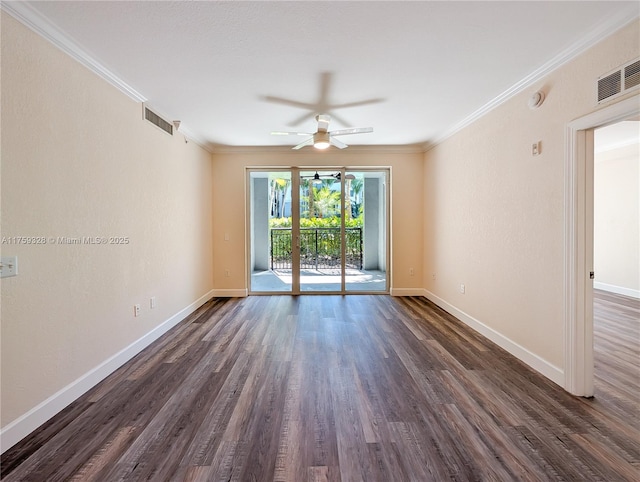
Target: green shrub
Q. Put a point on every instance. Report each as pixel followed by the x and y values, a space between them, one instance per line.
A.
pixel 332 222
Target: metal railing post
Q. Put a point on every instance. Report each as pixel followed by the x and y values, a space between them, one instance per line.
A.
pixel 271 235
pixel 360 249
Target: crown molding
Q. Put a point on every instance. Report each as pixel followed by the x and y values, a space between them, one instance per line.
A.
pixel 602 31
pixel 192 136
pixel 184 130
pixel 287 150
pixel 31 18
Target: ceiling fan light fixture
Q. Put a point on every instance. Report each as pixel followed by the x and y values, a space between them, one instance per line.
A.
pixel 321 140
pixel 324 138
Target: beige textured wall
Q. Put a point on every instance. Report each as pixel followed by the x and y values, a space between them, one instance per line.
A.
pixel 230 214
pixel 494 213
pixel 78 160
pixel 617 218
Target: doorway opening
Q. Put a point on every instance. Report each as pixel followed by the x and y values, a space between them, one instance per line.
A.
pixel 616 260
pixel 318 230
pixel 616 208
pixel 579 239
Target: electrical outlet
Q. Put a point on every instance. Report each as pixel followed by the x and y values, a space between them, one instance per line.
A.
pixel 433 276
pixel 152 302
pixel 462 288
pixel 411 272
pixel 136 310
pixel 227 273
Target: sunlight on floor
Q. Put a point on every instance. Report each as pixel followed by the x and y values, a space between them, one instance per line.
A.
pixel 318 280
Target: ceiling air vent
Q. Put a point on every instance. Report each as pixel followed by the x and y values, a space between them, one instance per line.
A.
pixel 158 121
pixel 619 82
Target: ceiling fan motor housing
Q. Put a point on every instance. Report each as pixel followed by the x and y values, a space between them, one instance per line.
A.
pixel 321 140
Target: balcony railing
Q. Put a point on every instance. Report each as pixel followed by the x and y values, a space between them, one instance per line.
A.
pixel 319 248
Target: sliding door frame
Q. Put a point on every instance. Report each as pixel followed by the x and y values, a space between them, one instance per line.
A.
pixel 295 225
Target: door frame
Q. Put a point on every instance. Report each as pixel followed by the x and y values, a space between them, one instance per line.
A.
pixel 295 201
pixel 295 229
pixel 578 243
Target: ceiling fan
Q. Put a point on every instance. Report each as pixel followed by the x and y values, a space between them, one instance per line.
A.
pixel 319 177
pixel 323 137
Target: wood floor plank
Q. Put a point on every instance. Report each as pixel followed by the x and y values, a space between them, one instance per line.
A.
pixel 470 413
pixel 335 388
pixel 355 463
pixel 604 457
pixel 417 454
pixel 105 456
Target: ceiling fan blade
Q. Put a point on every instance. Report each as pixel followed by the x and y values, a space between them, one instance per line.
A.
pixel 338 176
pixel 278 133
pixel 302 118
pixel 307 142
pixel 293 103
pixel 353 130
pixel 337 143
pixel 339 119
pixel 325 84
pixel 357 104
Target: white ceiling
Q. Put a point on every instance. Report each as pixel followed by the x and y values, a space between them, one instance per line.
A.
pixel 617 136
pixel 428 65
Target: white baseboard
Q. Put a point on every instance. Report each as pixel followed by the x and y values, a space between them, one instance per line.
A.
pixel 620 290
pixel 27 423
pixel 542 366
pixel 407 292
pixel 241 293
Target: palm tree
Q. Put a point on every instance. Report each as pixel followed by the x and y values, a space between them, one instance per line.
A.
pixel 347 201
pixel 357 187
pixel 278 195
pixel 326 202
pixel 308 185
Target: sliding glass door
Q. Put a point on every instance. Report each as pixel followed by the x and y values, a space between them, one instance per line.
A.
pixel 366 219
pixel 318 230
pixel 270 239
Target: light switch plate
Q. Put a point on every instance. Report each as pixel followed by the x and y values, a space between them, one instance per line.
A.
pixel 536 148
pixel 8 266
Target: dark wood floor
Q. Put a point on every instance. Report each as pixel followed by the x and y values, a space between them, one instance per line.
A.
pixel 316 388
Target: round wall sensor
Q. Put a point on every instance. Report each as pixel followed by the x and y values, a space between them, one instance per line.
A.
pixel 536 100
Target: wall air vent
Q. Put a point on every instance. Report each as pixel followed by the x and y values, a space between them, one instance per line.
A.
pixel 158 121
pixel 619 82
pixel 632 75
pixel 609 86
